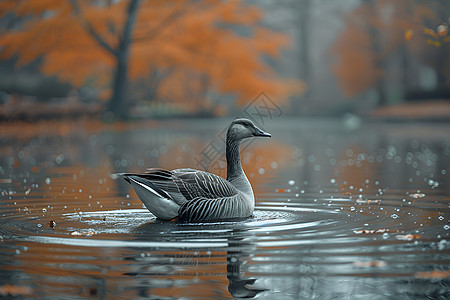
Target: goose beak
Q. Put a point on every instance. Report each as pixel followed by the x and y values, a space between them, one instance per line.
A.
pixel 259 132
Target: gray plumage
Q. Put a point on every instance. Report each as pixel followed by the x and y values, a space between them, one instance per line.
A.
pixel 194 195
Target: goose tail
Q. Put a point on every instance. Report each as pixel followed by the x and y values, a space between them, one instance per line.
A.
pixel 157 201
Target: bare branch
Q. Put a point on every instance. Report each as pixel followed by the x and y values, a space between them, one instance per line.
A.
pixel 152 33
pixel 125 39
pixel 90 29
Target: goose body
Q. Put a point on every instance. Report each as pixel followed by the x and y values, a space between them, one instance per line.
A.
pixel 194 195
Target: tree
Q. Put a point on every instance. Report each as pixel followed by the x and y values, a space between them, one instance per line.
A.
pixel 108 41
pixel 379 30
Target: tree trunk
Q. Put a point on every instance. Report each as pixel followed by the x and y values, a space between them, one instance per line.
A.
pixel 305 29
pixel 117 104
pixel 379 60
pixel 405 69
pixel 304 10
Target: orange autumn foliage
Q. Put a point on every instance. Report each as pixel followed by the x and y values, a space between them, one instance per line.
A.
pixel 183 40
pixel 374 31
pixel 356 69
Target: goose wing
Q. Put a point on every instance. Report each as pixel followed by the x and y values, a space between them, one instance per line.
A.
pixel 210 197
pixel 194 184
pixel 160 180
pixel 202 196
pixel 187 184
pixel 204 209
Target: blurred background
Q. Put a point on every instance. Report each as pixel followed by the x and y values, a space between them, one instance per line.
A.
pixel 351 191
pixel 136 59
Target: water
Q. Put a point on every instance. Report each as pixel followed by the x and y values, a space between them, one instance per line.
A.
pixel 342 212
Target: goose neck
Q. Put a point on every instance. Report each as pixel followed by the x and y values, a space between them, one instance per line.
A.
pixel 234 167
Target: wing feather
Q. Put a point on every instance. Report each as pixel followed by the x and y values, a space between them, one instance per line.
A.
pixel 163 180
pixel 193 184
pixel 202 196
pixel 203 209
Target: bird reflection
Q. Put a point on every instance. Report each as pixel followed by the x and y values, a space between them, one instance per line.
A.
pixel 237 286
pixel 238 248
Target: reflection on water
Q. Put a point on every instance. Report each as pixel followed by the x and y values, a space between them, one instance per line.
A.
pixel 340 214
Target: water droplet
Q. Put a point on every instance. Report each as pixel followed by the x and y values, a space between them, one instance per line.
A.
pixel 349 152
pixel 47 180
pixel 52 224
pixel 352 208
pixel 332 180
pixel 441 244
pixel 44 210
pixel 39 225
pixel 394 216
pixel 261 171
pixel 291 182
pixel 59 159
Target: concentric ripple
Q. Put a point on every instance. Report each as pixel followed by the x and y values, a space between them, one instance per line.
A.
pixel 348 218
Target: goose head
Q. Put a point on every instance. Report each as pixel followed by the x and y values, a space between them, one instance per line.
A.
pixel 244 128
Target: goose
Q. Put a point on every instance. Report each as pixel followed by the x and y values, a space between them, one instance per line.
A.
pixel 195 196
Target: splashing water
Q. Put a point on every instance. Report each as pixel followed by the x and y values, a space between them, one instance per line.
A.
pixel 371 222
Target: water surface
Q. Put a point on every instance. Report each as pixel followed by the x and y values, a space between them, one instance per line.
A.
pixel 342 212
